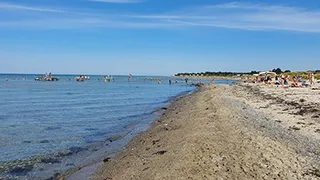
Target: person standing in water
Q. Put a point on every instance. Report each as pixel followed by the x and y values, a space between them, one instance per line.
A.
pixel 129 77
pixel 7 79
pixel 170 82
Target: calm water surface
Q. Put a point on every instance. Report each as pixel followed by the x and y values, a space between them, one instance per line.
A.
pixel 49 127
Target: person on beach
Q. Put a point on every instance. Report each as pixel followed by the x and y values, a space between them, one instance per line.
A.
pixel 212 81
pixel 170 82
pixel 299 79
pixel 294 82
pixel 284 81
pixel 310 75
pixel 186 79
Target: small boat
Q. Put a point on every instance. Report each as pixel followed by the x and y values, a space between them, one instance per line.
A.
pixel 82 78
pixel 43 78
pixel 47 77
pixel 107 78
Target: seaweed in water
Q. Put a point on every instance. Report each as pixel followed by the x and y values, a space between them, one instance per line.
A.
pixel 50 160
pixel 52 128
pixel 44 141
pixel 21 171
pixel 77 149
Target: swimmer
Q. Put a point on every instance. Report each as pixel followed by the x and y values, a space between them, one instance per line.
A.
pixel 129 77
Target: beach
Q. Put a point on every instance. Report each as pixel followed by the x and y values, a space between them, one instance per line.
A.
pixel 243 131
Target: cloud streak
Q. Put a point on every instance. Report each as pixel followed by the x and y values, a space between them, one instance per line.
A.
pixel 8 6
pixel 118 1
pixel 234 15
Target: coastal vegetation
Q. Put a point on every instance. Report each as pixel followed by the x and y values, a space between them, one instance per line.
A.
pixel 278 71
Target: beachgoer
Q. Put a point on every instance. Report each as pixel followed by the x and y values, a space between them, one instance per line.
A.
pixel 295 83
pixel 170 82
pixel 186 79
pixel 129 77
pixel 159 81
pixel 50 76
pixel 284 80
pixel 310 78
pixel 7 79
pixel 212 81
pixel 299 79
pixel 176 82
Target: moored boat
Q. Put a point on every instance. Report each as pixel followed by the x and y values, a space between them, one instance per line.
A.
pixel 82 78
pixel 47 77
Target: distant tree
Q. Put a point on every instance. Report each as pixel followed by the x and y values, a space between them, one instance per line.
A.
pixel 254 72
pixel 287 71
pixel 278 71
pixel 317 71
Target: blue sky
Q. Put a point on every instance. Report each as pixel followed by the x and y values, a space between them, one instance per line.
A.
pixel 158 37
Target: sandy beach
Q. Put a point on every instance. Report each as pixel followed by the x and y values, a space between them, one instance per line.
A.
pixel 239 131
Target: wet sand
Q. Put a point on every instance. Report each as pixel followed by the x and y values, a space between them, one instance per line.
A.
pixel 225 132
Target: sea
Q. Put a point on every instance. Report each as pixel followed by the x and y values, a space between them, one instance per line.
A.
pixel 48 128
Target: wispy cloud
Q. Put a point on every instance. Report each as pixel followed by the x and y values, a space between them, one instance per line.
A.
pixel 246 16
pixel 234 15
pixel 8 6
pixel 118 1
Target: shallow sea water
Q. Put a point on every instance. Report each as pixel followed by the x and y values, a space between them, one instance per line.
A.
pixel 50 127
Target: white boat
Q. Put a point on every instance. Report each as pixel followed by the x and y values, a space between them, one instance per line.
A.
pixel 82 78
